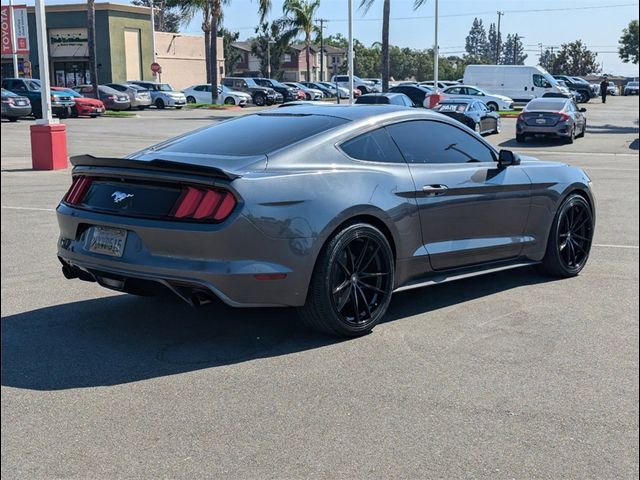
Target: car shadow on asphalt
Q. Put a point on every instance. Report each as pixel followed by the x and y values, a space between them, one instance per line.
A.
pixel 122 338
pixel 533 142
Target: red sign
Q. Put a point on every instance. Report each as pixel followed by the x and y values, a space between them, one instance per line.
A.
pixel 156 68
pixel 22 30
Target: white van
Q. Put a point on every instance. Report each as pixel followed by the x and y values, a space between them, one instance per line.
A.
pixel 520 82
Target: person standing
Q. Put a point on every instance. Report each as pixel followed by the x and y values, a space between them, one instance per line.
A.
pixel 604 85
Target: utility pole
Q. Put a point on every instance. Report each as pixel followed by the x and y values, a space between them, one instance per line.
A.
pixel 269 43
pixel 321 21
pixel 498 39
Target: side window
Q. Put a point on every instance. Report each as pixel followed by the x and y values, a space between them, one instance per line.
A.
pixel 375 146
pixel 422 141
pixel 540 81
pixel 199 88
pixel 454 91
pixel 18 86
pixel 482 107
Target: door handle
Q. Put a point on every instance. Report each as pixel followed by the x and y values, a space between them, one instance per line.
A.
pixel 432 190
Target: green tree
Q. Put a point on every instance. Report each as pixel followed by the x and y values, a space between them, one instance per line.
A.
pixel 548 60
pixel 513 50
pixel 575 59
pixel 270 52
pixel 476 44
pixel 628 49
pixel 166 14
pixel 299 20
pixel 231 55
pixel 493 46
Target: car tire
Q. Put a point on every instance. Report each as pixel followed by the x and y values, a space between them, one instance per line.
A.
pixel 159 103
pixel 572 135
pixel 74 112
pixel 13 119
pixel 498 127
pixel 259 99
pixel 363 90
pixel 493 106
pixel 340 301
pixel 570 238
pixel 583 131
pixel 521 138
pixel 191 99
pixel 584 96
pixel 229 101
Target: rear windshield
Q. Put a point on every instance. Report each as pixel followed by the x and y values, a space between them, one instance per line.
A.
pixel 373 99
pixel 545 105
pixel 632 84
pixel 253 134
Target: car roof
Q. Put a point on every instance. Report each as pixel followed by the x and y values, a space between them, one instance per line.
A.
pixel 459 100
pixel 354 112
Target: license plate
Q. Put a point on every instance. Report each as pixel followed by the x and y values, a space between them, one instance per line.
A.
pixel 108 241
pixel 21 102
pixel 98 110
pixel 540 121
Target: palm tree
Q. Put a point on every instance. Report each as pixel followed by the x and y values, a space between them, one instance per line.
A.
pixel 365 5
pixel 299 20
pixel 91 44
pixel 211 17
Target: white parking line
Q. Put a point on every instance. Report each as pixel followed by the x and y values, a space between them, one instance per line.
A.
pixel 30 208
pixel 604 245
pixel 569 153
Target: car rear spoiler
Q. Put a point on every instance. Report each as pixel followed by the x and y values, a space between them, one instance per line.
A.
pixel 157 165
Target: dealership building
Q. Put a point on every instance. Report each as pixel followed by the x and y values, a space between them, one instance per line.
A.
pixel 124 47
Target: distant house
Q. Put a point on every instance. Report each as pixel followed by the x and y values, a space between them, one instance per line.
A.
pixel 293 63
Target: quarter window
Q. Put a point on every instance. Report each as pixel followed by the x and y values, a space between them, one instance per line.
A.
pixel 375 146
pixel 422 141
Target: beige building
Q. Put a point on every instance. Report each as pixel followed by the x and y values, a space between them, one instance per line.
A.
pixel 182 59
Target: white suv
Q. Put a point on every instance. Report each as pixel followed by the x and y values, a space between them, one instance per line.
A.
pixel 362 85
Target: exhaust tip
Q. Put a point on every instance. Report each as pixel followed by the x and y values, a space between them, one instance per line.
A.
pixel 200 298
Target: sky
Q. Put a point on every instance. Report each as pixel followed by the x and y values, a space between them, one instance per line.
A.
pixel 598 23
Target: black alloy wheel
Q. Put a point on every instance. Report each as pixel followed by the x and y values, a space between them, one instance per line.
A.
pixel 352 284
pixel 191 99
pixel 259 99
pixel 229 101
pixel 570 239
pixel 492 106
pixel 159 104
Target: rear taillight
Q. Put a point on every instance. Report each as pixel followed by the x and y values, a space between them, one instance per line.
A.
pixel 520 117
pixel 564 117
pixel 203 204
pixel 78 189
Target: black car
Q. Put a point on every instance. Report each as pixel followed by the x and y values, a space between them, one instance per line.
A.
pixel 289 94
pixel 399 99
pixel 326 92
pixel 582 88
pixel 14 106
pixel 260 95
pixel 472 113
pixel 417 93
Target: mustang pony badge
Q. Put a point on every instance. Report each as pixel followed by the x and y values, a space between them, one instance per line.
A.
pixel 120 196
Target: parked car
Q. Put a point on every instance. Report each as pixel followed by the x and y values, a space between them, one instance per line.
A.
pixel 162 94
pixel 399 99
pixel 492 101
pixel 112 99
pixel 260 95
pixel 377 82
pixel 61 103
pixel 343 92
pixel 327 92
pixel 417 93
pixel 14 106
pixel 202 94
pixel 330 209
pixel 573 94
pixel 441 84
pixel 520 82
pixel 309 93
pixel 289 93
pixel 557 117
pixel 85 106
pixel 631 88
pixel 358 83
pixel 139 97
pixel 472 113
pixel 582 87
pixel 612 89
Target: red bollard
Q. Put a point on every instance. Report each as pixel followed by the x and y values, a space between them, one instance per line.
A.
pixel 49 147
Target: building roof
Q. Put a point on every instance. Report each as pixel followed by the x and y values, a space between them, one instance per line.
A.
pixel 243 45
pixel 331 50
pixel 82 7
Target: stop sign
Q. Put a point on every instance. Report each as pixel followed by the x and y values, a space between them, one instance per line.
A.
pixel 155 67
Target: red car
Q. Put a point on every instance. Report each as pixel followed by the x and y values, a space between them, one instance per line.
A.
pixel 85 106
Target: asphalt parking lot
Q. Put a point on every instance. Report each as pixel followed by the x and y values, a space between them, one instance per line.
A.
pixel 507 376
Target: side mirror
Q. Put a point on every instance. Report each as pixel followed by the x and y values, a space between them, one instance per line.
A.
pixel 507 158
pixel 582 110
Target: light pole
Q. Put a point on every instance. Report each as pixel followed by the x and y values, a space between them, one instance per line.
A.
pixel 498 39
pixel 321 21
pixel 269 42
pixel 351 52
pixel 14 46
pixel 436 53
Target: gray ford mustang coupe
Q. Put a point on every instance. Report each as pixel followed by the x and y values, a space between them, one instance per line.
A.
pixel 327 208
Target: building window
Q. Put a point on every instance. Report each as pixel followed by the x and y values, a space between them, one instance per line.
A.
pixel 286 58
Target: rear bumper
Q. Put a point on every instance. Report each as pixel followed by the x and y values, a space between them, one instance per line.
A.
pixel 560 130
pixel 12 111
pixel 222 260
